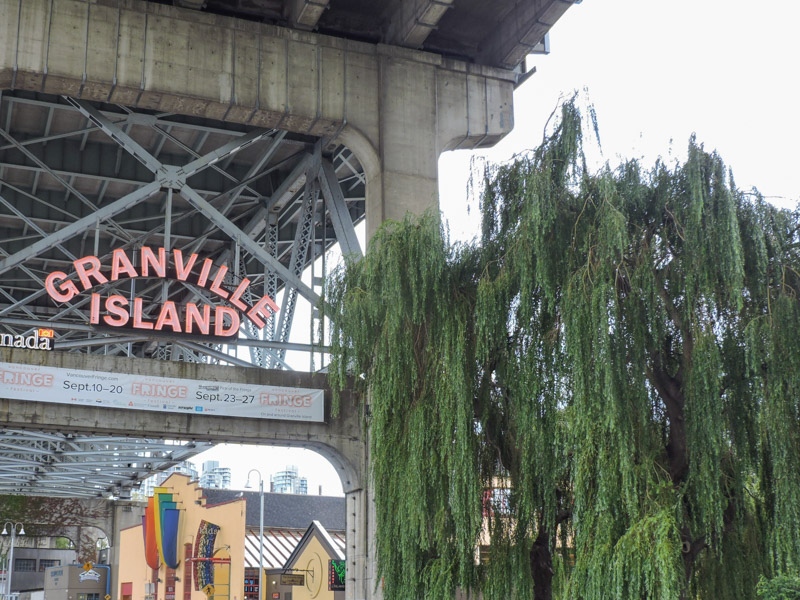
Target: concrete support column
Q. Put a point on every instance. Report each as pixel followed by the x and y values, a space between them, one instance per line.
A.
pixel 359 562
pixel 361 551
pixel 428 105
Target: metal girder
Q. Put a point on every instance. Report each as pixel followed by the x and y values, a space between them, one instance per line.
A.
pixel 250 245
pixel 168 174
pixel 302 241
pixel 65 233
pixel 243 208
pixel 98 341
pixel 116 134
pixel 78 466
pixel 270 279
pixel 223 152
pixel 215 353
pixel 291 185
pixel 255 221
pixel 340 216
pixel 67 185
pixel 30 223
pixel 175 177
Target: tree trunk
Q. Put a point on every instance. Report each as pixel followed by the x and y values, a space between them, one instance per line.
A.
pixel 542 568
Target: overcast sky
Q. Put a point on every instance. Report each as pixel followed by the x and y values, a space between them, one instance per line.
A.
pixel 659 71
pixel 656 72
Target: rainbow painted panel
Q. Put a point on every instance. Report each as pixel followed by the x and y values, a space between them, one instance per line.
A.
pixel 149 532
pixel 161 526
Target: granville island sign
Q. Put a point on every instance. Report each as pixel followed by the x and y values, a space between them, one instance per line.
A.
pixel 116 310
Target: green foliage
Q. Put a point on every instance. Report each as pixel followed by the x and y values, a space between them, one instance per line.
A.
pixel 620 350
pixel 780 588
pixel 63 543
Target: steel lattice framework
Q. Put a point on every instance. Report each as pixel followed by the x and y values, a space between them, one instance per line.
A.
pixel 80 179
pixel 79 466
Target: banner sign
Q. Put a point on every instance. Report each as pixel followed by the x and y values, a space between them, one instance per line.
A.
pixel 293 579
pixel 337 575
pixel 142 392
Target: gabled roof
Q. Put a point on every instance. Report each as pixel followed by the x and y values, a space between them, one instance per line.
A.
pixel 328 542
pixel 280 545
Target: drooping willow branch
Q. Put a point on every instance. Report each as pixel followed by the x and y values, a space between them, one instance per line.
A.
pixel 600 399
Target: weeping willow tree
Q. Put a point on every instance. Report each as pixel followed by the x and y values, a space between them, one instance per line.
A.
pixel 599 399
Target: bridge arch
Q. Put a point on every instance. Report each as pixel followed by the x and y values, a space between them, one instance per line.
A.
pixel 341 439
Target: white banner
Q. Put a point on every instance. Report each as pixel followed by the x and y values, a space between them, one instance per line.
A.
pixel 165 394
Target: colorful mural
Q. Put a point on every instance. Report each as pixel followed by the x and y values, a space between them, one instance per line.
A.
pixel 161 527
pixel 203 553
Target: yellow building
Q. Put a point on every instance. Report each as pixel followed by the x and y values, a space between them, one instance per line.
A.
pixel 314 571
pixel 203 544
pixel 208 547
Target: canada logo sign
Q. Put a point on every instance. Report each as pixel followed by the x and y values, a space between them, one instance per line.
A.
pixel 40 339
pixel 115 310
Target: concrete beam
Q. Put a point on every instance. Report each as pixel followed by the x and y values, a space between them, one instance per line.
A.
pixel 396 109
pixel 338 439
pixel 522 31
pixel 305 14
pixel 414 20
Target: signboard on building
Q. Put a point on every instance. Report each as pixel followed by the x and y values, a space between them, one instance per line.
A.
pixel 39 383
pixel 39 339
pixel 293 579
pixel 90 575
pixel 337 571
pixel 221 319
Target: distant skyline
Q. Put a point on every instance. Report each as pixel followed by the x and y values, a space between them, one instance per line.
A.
pixel 268 460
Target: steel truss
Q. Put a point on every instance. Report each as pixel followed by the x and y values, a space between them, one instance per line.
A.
pixel 80 179
pixel 79 466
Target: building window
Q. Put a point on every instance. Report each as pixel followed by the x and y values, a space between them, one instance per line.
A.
pixel 46 563
pixel 25 565
pixel 89 596
pixel 497 501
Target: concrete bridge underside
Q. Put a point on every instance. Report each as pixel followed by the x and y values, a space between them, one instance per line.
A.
pixel 365 95
pixel 396 108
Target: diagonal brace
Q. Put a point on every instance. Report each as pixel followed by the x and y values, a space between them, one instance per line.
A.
pixel 79 226
pixel 249 244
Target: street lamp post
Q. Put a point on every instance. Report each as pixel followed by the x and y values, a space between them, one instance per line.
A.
pixel 14 534
pixel 260 530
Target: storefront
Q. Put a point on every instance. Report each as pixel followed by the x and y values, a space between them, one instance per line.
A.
pixel 77 582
